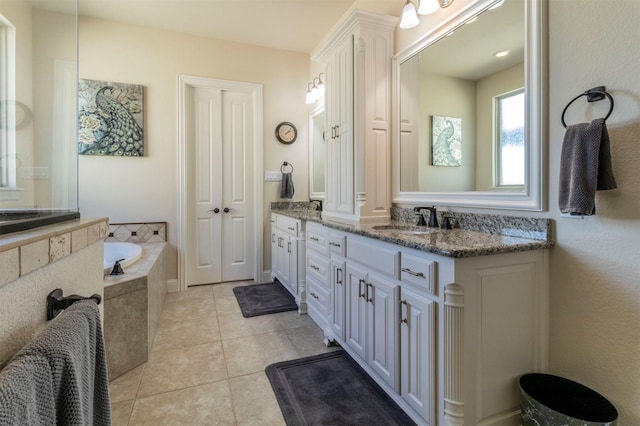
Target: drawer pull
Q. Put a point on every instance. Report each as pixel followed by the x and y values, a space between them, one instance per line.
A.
pixel 334 244
pixel 314 267
pixel 415 274
pixel 314 239
pixel 315 296
pixel 290 228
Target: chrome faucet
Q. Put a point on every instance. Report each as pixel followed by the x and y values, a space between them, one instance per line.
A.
pixel 433 217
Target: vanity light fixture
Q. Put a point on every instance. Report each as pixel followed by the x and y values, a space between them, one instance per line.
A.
pixel 315 90
pixel 410 14
pixel 309 99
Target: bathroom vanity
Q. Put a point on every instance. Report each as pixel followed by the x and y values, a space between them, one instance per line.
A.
pixel 445 321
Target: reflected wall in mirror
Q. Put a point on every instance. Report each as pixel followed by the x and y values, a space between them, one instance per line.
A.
pixel 317 153
pixel 455 72
pixel 38 98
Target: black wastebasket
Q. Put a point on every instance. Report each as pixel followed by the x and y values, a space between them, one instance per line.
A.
pixel 548 400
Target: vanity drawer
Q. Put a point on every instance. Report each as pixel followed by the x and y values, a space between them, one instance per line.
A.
pixel 419 271
pixel 382 259
pixel 317 238
pixel 289 225
pixel 318 267
pixel 337 243
pixel 318 298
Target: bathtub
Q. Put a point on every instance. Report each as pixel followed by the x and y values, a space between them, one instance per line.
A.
pixel 116 251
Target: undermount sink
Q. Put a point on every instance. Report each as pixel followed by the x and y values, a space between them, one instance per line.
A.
pixel 405 229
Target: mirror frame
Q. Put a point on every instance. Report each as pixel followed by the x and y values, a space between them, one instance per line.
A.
pixel 317 195
pixel 533 198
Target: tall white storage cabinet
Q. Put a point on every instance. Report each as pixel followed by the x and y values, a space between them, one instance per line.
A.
pixel 357 58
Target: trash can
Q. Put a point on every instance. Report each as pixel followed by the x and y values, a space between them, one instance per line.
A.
pixel 548 400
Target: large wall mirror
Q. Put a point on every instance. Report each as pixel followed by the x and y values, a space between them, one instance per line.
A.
pixel 317 154
pixel 469 110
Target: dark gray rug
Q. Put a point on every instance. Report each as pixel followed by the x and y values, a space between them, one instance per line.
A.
pixel 331 389
pixel 262 299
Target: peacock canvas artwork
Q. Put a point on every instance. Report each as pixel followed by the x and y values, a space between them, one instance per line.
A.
pixel 446 141
pixel 110 119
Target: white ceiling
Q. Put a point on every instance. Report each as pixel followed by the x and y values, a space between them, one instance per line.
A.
pixel 297 25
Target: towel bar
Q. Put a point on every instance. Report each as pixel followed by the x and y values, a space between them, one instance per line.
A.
pixel 285 164
pixel 593 95
pixel 57 303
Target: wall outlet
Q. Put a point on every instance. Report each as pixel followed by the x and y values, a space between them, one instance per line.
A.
pixel 271 176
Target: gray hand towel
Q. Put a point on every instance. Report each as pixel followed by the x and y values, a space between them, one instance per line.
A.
pixel 286 186
pixel 585 166
pixel 69 355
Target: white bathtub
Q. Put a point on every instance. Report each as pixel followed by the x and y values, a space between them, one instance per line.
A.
pixel 115 251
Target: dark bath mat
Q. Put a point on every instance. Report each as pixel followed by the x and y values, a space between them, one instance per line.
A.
pixel 262 299
pixel 331 389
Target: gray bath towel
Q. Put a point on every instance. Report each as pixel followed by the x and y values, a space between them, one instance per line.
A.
pixel 585 166
pixel 65 366
pixel 286 187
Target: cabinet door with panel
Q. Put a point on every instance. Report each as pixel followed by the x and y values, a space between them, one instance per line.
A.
pixel 417 354
pixel 338 297
pixel 356 310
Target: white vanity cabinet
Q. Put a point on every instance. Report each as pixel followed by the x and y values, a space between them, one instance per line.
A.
pixel 287 256
pixel 447 338
pixel 317 274
pixel 357 58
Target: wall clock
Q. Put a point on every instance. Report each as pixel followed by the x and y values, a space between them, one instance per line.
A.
pixel 286 132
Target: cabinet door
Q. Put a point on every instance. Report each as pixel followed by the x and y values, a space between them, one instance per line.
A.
pixel 382 320
pixel 417 343
pixel 356 312
pixel 338 308
pixel 291 261
pixel 344 130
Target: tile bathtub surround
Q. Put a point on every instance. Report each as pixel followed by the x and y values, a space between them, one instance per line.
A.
pixel 513 226
pixel 154 232
pixel 207 362
pixel 24 252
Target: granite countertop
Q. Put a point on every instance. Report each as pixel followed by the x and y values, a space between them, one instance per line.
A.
pixel 457 243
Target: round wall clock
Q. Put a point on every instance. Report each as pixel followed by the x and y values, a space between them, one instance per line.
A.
pixel 286 132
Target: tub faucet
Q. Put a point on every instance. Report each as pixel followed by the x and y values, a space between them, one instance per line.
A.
pixel 117 269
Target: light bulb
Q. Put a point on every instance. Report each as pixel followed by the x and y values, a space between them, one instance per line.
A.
pixel 409 16
pixel 428 6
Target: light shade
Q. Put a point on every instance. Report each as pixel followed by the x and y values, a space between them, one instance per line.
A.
pixel 309 98
pixel 409 16
pixel 428 6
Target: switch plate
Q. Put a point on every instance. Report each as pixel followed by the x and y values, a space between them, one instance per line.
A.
pixel 271 176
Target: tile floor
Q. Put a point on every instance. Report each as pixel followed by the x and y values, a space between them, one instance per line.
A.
pixel 207 363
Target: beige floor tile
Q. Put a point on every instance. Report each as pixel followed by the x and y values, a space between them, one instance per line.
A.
pixel 308 341
pixel 197 292
pixel 251 354
pixel 126 386
pixel 292 319
pixel 226 289
pixel 188 309
pixel 208 404
pixel 254 402
pixel 234 325
pixel 120 413
pixel 184 333
pixel 227 304
pixel 182 368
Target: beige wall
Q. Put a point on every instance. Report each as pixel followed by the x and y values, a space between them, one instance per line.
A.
pixel 145 189
pixel 594 268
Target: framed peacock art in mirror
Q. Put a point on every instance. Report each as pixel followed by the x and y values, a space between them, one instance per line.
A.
pixel 110 120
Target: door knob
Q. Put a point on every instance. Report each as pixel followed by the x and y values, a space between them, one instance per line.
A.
pixel 227 210
pixel 216 210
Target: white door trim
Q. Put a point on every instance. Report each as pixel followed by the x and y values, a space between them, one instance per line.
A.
pixel 255 90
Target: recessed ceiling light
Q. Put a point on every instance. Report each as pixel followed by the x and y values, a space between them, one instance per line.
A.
pixel 502 53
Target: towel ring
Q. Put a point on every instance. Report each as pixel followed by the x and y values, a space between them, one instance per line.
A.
pixel 595 94
pixel 285 164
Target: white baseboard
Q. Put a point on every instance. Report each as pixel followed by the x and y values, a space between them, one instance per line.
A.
pixel 173 286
